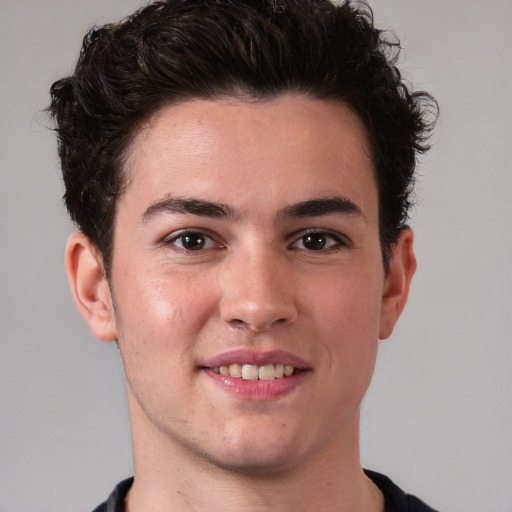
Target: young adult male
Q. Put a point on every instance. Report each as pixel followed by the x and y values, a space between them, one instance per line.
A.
pixel 240 175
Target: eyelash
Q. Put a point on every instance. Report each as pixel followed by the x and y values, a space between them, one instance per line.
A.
pixel 333 241
pixel 208 240
pixel 336 240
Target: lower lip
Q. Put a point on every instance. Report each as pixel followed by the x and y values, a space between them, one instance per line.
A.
pixel 257 389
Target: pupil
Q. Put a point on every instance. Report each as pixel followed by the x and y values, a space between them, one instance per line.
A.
pixel 193 241
pixel 314 242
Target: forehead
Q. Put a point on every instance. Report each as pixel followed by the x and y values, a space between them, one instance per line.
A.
pixel 279 148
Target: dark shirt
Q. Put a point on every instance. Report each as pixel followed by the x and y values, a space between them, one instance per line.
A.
pixel 395 499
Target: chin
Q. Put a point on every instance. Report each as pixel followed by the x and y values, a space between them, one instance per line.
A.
pixel 267 454
pixel 256 464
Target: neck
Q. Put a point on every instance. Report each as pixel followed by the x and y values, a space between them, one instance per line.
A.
pixel 171 477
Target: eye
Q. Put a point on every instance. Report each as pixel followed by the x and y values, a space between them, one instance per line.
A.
pixel 192 241
pixel 318 241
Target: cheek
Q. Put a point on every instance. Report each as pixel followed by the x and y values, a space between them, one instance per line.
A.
pixel 160 317
pixel 349 306
pixel 348 323
pixel 158 323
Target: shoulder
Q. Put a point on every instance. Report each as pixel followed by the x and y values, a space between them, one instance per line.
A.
pixel 115 502
pixel 395 499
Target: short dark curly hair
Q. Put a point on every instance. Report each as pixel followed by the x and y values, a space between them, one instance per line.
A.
pixel 174 50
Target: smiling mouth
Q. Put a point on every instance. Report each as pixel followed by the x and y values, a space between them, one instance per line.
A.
pixel 255 372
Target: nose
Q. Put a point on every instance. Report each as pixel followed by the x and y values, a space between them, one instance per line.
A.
pixel 258 291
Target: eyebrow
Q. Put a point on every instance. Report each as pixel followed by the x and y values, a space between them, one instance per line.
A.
pixel 188 206
pixel 321 206
pixel 192 206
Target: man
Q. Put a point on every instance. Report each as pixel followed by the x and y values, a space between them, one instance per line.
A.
pixel 240 175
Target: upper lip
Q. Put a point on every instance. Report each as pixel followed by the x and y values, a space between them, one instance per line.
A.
pixel 255 357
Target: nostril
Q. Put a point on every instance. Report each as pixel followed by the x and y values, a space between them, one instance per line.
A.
pixel 235 322
pixel 256 326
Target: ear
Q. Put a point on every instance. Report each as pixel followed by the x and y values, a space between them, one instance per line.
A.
pixel 398 280
pixel 89 286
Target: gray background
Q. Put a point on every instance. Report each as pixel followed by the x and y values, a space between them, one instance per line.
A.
pixel 438 417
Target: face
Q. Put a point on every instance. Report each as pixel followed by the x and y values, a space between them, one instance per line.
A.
pixel 247 243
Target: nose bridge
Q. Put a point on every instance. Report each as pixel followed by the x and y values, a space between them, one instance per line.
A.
pixel 257 289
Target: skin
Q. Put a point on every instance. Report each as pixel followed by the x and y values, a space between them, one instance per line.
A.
pixel 253 278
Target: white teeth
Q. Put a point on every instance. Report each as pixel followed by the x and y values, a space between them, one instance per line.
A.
pixel 235 370
pixel 279 370
pixel 255 372
pixel 249 372
pixel 266 372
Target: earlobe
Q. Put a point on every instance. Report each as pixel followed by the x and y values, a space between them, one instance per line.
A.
pixel 89 287
pixel 396 288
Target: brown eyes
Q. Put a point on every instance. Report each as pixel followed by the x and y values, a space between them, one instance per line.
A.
pixel 312 241
pixel 193 241
pixel 316 241
pixel 319 241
